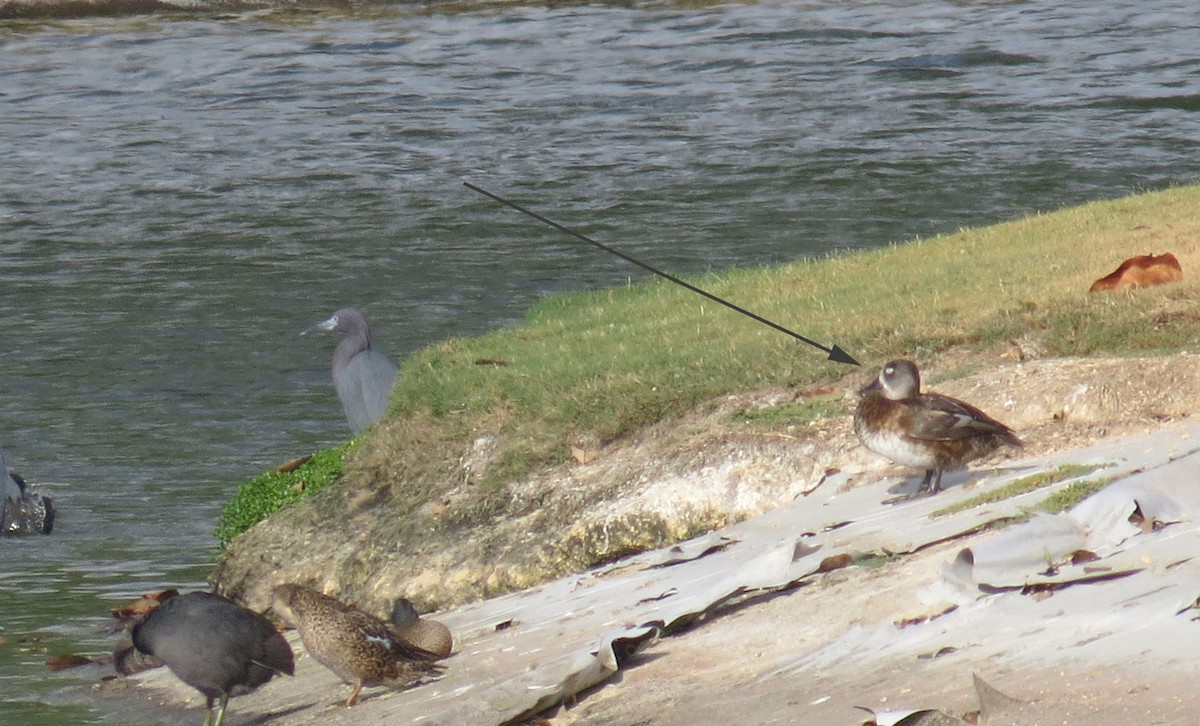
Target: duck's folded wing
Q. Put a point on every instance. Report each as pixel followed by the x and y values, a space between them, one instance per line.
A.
pixel 941 418
pixel 377 631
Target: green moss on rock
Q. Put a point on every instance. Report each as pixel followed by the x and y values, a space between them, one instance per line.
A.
pixel 267 493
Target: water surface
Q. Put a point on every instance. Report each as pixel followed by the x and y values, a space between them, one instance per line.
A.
pixel 180 196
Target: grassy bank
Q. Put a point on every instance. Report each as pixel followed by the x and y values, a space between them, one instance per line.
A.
pixel 592 368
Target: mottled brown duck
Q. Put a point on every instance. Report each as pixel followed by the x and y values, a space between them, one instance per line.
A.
pixel 426 634
pixel 358 647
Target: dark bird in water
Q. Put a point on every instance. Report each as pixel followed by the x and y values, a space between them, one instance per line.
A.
pixel 214 645
pixel 362 375
pixel 426 634
pixel 358 647
pixel 21 510
pixel 924 430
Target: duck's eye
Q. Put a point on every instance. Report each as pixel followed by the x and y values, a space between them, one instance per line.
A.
pixel 889 370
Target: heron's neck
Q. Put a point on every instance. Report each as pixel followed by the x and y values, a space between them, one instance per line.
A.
pixel 348 347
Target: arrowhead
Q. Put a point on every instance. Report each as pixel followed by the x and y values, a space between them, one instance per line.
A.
pixel 840 356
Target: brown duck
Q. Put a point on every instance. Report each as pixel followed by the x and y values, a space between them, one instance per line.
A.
pixel 358 647
pixel 924 430
pixel 424 633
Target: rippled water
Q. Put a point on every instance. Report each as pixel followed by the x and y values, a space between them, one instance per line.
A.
pixel 179 197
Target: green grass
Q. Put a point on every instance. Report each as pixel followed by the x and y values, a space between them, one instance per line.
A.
pixel 1021 486
pixel 1058 502
pixel 1070 495
pixel 267 493
pixel 790 414
pixel 873 560
pixel 603 365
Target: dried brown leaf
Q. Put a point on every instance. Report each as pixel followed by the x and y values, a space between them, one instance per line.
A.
pixel 144 604
pixel 1078 557
pixel 292 465
pixel 835 562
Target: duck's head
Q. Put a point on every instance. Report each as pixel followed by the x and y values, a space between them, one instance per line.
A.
pixel 898 380
pixel 282 599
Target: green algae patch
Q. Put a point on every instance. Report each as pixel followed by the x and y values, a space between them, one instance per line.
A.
pixel 267 493
pixel 1071 494
pixel 873 560
pixel 1021 486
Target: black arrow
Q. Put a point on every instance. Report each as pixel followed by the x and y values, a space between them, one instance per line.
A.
pixel 835 353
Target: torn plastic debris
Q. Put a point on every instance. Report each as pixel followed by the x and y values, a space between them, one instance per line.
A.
pixel 1108 516
pixel 922 717
pixel 1012 558
pixel 692 549
pixel 995 708
pixel 584 670
pixel 770 570
pixel 1042 552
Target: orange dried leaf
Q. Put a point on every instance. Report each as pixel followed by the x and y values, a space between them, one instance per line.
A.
pixel 1078 557
pixel 144 604
pixel 1141 271
pixel 835 562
